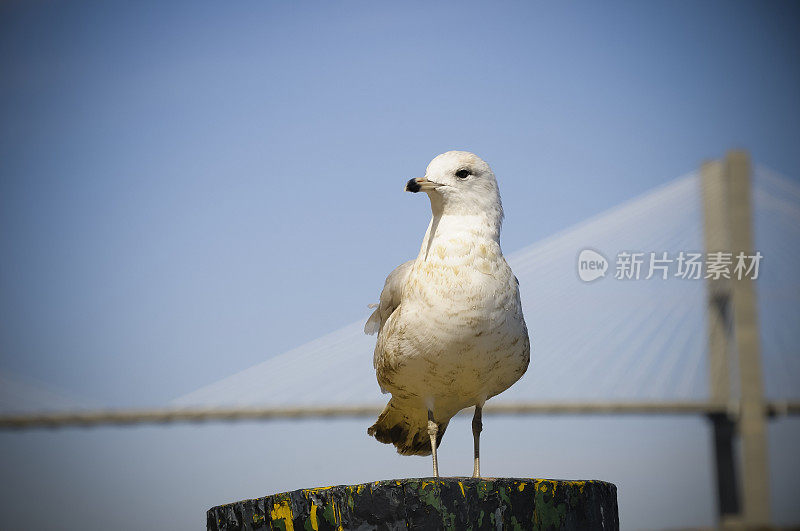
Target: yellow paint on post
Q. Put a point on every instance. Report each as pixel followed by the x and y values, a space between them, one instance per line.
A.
pixel 337 516
pixel 579 484
pixel 283 511
pixel 313 517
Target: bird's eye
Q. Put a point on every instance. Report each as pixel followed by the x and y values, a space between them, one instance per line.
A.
pixel 462 174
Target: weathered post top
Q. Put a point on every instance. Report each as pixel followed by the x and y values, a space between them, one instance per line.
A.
pixel 428 503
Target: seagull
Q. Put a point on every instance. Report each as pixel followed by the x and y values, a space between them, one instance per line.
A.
pixel 450 328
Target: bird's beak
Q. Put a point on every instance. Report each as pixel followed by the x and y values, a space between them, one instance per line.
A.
pixel 421 184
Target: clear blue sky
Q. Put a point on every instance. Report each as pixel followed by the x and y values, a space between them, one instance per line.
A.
pixel 188 188
pixel 173 175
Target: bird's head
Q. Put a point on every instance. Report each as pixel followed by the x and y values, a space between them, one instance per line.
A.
pixel 460 183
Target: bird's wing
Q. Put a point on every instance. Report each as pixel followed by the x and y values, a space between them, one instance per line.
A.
pixel 390 298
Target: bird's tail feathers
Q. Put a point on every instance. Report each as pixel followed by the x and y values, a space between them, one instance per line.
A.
pixel 406 428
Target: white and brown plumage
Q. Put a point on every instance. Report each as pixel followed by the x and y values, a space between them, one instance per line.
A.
pixel 450 328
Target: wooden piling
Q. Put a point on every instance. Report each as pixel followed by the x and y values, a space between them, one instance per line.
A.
pixel 428 503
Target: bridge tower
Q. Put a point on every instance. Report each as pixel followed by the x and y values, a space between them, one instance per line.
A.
pixel 733 346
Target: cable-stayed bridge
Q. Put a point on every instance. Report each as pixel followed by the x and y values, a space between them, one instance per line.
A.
pixel 611 339
pixel 612 345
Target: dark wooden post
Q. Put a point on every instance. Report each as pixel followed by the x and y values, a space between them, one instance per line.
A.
pixel 444 503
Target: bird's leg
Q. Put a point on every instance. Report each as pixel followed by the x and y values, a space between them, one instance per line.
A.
pixel 433 430
pixel 477 426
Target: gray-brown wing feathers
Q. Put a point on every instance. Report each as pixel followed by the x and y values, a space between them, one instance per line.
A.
pixel 390 298
pixel 400 423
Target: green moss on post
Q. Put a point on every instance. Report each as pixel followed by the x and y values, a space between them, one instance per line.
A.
pixel 445 503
